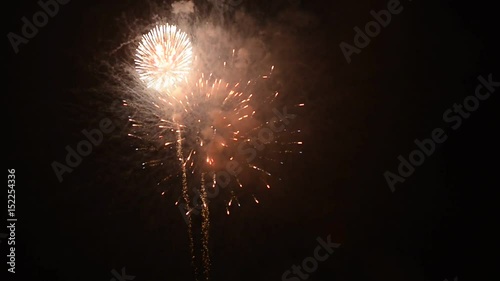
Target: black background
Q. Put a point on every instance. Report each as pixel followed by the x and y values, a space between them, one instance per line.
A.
pixel 359 117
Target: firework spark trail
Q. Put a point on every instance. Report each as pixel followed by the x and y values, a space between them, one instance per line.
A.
pixel 205 228
pixel 185 195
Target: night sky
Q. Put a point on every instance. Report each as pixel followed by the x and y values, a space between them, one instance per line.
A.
pixel 359 117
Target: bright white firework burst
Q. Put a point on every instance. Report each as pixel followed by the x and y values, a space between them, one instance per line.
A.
pixel 164 57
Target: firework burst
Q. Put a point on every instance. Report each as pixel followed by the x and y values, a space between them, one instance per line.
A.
pixel 164 57
pixel 220 132
pixel 213 135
